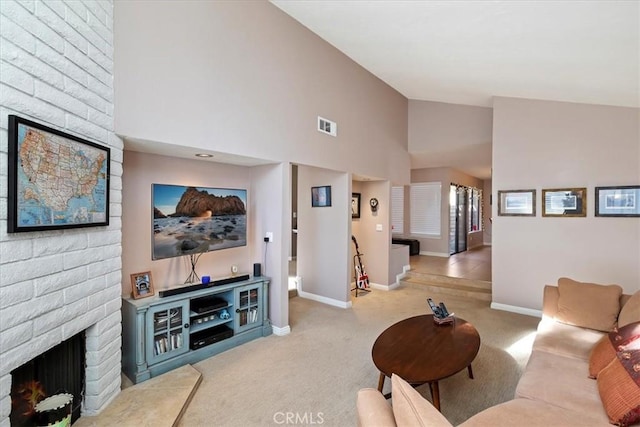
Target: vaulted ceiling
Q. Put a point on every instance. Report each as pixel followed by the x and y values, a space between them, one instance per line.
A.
pixel 466 52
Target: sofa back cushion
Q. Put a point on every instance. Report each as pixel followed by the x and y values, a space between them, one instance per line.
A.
pixel 588 305
pixel 630 312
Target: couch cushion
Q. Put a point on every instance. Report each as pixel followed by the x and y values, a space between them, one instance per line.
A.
pixel 373 409
pixel 619 388
pixel 605 350
pixel 630 312
pixel 531 413
pixel 588 305
pixel 561 381
pixel 566 340
pixel 411 409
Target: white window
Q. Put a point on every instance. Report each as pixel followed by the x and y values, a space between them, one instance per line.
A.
pixel 426 200
pixel 397 210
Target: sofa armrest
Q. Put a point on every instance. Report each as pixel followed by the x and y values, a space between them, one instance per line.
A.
pixel 373 410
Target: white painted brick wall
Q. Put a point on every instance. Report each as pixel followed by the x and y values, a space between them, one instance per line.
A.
pixel 56 67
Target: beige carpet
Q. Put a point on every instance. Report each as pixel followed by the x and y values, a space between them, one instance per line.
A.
pixel 311 376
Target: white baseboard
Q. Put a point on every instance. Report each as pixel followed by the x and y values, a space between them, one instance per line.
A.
pixel 378 286
pixel 516 309
pixel 486 243
pixel 440 254
pixel 399 277
pixel 393 286
pixel 281 331
pixel 324 300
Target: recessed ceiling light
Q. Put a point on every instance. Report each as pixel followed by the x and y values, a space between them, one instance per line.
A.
pixel 204 155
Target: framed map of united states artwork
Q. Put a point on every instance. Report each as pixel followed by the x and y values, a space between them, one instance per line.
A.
pixel 56 180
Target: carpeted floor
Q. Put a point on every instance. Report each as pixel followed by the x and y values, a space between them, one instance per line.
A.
pixel 312 375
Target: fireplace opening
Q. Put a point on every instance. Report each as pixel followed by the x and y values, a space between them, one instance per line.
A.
pixel 59 370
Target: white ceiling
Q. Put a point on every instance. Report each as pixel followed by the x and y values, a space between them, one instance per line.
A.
pixel 466 52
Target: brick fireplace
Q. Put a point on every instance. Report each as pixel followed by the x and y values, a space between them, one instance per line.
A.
pixel 57 69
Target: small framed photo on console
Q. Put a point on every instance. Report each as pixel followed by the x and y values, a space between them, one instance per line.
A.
pixel 141 285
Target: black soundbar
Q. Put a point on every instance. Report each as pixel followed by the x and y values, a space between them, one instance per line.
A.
pixel 191 288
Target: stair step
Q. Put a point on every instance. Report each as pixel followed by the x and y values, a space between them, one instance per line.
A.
pixel 447 280
pixel 477 289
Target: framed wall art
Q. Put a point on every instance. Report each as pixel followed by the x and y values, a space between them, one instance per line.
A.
pixel 142 285
pixel 56 180
pixel 321 196
pixel 564 202
pixel 517 202
pixel 618 201
pixel 355 205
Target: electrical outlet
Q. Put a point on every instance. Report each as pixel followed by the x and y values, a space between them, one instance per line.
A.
pixel 269 235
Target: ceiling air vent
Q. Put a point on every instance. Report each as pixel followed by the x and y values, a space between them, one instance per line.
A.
pixel 327 126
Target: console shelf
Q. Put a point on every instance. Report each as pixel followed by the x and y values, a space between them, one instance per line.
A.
pixel 162 333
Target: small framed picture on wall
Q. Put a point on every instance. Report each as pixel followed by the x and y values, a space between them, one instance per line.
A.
pixel 517 202
pixel 355 205
pixel 564 202
pixel 618 201
pixel 321 196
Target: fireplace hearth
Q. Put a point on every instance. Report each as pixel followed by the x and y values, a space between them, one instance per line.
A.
pixel 59 370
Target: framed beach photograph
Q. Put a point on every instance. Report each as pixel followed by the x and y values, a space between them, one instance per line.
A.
pixel 141 285
pixel 355 205
pixel 564 202
pixel 618 201
pixel 56 180
pixel 321 196
pixel 517 203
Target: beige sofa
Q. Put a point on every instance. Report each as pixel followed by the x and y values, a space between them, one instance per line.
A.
pixel 555 388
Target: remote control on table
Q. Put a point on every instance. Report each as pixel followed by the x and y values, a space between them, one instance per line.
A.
pixel 435 309
pixel 443 310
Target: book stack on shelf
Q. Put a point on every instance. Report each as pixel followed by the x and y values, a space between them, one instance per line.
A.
pixel 163 344
pixel 250 316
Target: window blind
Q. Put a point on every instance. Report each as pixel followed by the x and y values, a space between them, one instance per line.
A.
pixel 426 199
pixel 397 210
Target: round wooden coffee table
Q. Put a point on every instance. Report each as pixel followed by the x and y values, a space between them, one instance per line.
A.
pixel 419 351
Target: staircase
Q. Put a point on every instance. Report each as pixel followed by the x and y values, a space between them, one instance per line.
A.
pixel 477 289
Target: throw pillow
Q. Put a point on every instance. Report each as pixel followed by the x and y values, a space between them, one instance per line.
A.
pixel 605 350
pixel 588 305
pixel 619 388
pixel 411 409
pixel 630 312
